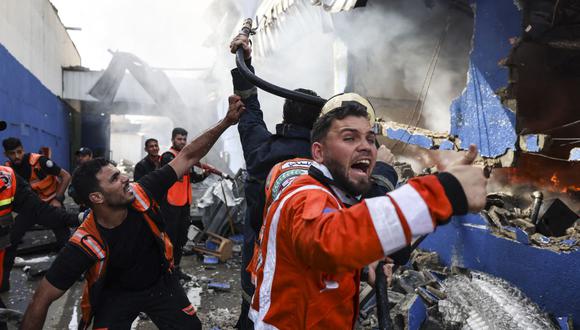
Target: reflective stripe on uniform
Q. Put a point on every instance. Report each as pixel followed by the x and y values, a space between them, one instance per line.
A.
pixel 6 201
pixel 270 260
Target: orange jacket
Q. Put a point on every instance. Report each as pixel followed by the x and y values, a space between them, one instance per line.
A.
pixel 7 193
pixel 7 189
pixel 312 248
pixel 180 193
pixel 44 186
pixel 88 238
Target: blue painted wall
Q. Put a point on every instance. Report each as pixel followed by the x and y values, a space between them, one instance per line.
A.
pixel 549 278
pixel 478 116
pixel 32 112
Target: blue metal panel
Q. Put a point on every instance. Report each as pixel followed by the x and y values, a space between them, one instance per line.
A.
pixel 32 112
pixel 575 154
pixel 477 116
pixel 405 136
pixel 532 143
pixel 549 278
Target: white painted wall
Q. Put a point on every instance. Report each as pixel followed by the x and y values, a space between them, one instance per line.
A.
pixel 33 33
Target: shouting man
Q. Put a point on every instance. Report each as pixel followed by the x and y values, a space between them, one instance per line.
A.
pixel 123 247
pixel 313 245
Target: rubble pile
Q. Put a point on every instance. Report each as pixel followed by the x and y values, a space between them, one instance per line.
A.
pixel 426 295
pixel 221 206
pixel 550 224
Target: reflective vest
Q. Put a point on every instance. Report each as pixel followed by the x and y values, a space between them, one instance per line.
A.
pixel 88 238
pixel 7 193
pixel 44 185
pixel 180 193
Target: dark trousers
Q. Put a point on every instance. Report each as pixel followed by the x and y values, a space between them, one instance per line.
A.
pixel 166 303
pixel 244 323
pixel 21 225
pixel 177 220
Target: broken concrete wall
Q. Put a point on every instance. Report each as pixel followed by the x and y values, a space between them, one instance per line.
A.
pixel 478 115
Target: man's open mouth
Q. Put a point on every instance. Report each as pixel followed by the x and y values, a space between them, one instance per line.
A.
pixel 361 165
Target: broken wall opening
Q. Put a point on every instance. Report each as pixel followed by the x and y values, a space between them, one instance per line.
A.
pixel 410 58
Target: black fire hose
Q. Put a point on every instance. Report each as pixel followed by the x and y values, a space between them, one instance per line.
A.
pixel 268 87
pixel 271 88
pixel 381 292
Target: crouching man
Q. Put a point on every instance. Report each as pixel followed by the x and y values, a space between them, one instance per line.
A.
pixel 123 247
pixel 318 234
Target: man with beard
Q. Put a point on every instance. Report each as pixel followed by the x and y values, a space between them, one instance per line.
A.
pixel 176 206
pixel 313 244
pixel 151 162
pixel 123 248
pixel 264 149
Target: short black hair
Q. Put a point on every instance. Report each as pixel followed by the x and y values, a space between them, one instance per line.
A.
pixel 84 180
pixel 322 125
pixel 150 140
pixel 178 131
pixel 11 143
pixel 299 113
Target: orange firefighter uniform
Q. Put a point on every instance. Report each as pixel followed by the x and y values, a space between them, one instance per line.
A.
pixel 180 193
pixel 88 238
pixel 44 185
pixel 312 248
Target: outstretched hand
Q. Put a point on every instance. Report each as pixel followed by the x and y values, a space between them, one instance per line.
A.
pixel 242 40
pixel 235 110
pixel 471 179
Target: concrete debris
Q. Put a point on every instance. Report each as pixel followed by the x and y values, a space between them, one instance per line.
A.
pixel 11 317
pixel 222 207
pixel 455 298
pixel 21 262
pixel 554 226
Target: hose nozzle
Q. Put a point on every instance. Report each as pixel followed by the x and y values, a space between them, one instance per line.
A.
pixel 247 27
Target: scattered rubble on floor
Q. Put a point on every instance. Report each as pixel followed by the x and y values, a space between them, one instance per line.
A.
pixel 547 223
pixel 427 295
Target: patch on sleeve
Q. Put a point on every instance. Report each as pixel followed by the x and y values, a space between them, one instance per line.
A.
pixel 49 163
pixel 6 179
pixel 316 204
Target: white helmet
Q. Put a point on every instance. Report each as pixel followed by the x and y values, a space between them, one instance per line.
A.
pixel 340 100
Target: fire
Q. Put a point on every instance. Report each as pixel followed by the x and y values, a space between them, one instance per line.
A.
pixel 555 181
pixel 556 185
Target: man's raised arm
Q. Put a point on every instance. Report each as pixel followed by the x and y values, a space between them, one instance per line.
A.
pixel 192 153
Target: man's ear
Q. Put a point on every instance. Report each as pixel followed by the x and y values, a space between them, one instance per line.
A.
pixel 317 152
pixel 96 197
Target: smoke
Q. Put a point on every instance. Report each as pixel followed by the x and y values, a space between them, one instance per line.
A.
pixel 390 48
pixel 247 7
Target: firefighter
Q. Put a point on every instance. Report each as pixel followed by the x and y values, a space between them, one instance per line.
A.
pixel 49 181
pixel 176 205
pixel 151 162
pixel 16 195
pixel 123 248
pixel 262 150
pixel 307 270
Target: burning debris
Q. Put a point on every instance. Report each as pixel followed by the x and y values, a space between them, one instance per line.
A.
pixel 426 295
